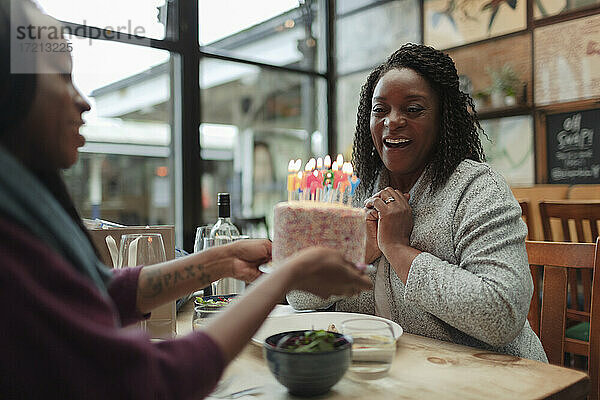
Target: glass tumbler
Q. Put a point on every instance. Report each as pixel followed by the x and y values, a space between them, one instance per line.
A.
pixel 373 349
pixel 201 316
pixel 141 249
pixel 224 285
pixel 201 233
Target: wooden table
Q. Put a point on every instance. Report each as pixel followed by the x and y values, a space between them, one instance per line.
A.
pixel 423 368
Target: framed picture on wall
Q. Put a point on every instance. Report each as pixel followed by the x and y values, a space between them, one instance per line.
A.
pixel 548 8
pixel 451 23
pixel 567 61
pixel 509 149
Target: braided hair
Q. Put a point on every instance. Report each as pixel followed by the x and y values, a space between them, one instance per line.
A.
pixel 458 136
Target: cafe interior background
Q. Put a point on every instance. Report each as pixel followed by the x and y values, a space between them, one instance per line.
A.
pixel 215 100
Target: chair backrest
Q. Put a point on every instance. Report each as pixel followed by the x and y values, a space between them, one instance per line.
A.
pixel 580 213
pixel 557 258
pixel 526 214
pixel 572 221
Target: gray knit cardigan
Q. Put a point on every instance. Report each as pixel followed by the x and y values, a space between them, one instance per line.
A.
pixel 471 284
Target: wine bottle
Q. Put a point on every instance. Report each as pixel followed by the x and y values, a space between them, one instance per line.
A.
pixel 224 228
pixel 224 231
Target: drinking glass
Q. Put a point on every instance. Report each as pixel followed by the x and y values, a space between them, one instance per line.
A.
pixel 201 316
pixel 201 233
pixel 224 285
pixel 141 249
pixel 373 349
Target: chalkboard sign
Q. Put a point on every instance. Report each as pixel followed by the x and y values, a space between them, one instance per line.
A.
pixel 573 149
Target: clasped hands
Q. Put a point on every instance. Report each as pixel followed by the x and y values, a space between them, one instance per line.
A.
pixel 389 222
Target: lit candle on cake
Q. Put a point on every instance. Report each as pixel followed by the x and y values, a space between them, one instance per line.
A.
pixel 316 185
pixel 291 181
pixel 354 181
pixel 327 162
pixel 298 182
pixel 345 182
pixel 338 175
pixel 327 177
pixel 335 181
pixel 308 177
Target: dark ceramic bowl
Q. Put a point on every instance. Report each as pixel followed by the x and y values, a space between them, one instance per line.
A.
pixel 307 374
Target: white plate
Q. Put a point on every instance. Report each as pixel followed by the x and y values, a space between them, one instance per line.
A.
pixel 315 320
pixel 266 268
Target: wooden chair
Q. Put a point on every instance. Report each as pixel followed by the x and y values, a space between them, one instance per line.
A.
pixel 534 311
pixel 526 215
pixel 584 217
pixel 556 258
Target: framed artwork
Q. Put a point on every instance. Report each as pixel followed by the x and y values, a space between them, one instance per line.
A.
pixel 548 8
pixel 509 148
pixel 451 23
pixel 505 73
pixel 567 61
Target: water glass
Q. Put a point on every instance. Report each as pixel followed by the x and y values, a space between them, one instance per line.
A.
pixel 141 249
pixel 201 316
pixel 224 285
pixel 201 233
pixel 373 349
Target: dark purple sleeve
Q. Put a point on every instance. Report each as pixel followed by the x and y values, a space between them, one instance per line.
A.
pixel 60 338
pixel 123 290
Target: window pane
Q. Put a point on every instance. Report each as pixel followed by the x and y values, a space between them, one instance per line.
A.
pixel 278 32
pixel 125 170
pixel 348 95
pixel 254 121
pixel 140 17
pixel 344 6
pixel 367 38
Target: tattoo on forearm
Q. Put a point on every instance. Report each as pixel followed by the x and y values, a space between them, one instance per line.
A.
pixel 203 276
pixel 156 282
pixel 153 285
pixel 189 270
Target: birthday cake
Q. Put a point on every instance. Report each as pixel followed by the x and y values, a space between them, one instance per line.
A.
pixel 301 224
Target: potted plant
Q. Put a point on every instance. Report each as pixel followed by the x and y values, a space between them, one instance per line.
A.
pixel 505 83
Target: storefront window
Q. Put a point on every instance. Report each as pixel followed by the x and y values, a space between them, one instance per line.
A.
pixel 124 173
pixel 271 117
pixel 146 18
pixel 277 32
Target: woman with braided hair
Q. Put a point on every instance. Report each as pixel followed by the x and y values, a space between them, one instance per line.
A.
pixel 444 230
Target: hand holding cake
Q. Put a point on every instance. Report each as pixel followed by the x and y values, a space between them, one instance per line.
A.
pixel 325 272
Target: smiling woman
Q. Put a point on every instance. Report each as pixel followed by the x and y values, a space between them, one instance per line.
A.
pixel 444 230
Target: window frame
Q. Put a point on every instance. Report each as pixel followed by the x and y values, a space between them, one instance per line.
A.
pixel 181 40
